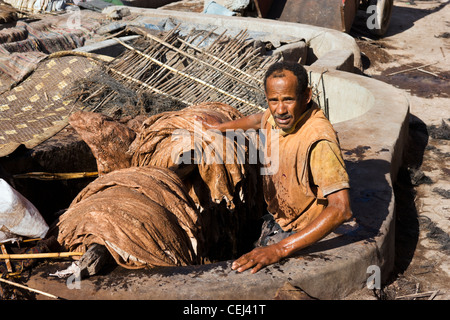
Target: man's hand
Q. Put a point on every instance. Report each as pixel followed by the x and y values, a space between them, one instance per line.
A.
pixel 337 211
pixel 258 258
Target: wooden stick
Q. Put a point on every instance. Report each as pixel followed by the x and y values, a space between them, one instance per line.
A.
pixel 258 9
pixel 30 240
pixel 220 60
pixel 428 72
pixel 419 295
pixel 8 263
pixel 40 255
pixel 411 69
pixel 56 176
pixel 30 289
pixel 94 56
pixel 433 295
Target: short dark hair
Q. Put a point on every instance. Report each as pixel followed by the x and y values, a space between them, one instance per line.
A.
pixel 297 69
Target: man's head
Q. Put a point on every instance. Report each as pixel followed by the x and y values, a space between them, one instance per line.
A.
pixel 287 92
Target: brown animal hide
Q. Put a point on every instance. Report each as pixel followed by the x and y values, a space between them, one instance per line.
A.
pixel 7 12
pixel 108 139
pixel 178 140
pixel 225 191
pixel 142 215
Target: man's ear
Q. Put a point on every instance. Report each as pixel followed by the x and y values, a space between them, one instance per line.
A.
pixel 307 95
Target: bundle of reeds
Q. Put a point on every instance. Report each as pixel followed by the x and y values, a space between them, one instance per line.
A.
pixel 229 70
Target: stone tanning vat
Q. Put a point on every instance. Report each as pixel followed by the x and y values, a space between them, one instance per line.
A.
pixel 371 119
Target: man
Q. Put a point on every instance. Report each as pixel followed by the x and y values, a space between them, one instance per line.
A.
pixel 308 196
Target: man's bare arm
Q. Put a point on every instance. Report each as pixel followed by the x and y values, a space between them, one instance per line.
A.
pixel 249 122
pixel 337 212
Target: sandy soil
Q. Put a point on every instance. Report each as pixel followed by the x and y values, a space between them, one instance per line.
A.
pixel 418 36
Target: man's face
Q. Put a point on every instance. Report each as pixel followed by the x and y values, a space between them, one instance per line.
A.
pixel 284 103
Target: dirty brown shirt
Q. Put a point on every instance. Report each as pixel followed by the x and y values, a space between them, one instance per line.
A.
pixel 310 167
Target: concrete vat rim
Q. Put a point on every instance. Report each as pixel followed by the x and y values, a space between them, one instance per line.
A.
pixel 323 40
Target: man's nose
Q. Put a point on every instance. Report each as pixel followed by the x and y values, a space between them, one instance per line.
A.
pixel 281 108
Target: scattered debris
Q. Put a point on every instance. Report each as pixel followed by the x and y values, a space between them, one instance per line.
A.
pixel 116 12
pixel 435 233
pixel 445 35
pixel 358 152
pixel 442 192
pixel 412 69
pixel 418 177
pixel 440 132
pixel 431 294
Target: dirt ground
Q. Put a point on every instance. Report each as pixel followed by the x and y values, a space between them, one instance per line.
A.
pixel 418 37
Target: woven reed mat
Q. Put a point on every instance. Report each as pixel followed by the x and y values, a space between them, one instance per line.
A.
pixel 39 107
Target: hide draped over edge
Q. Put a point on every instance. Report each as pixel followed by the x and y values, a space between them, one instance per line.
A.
pixel 142 215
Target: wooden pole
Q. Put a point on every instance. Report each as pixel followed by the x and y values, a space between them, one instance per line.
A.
pixel 411 69
pixel 30 289
pixel 56 176
pixel 8 263
pixel 258 9
pixel 40 255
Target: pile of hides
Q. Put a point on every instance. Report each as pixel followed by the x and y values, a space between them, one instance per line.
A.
pixel 224 195
pixel 225 192
pixel 38 5
pixel 142 215
pixel 29 41
pixel 7 13
pixel 169 136
pixel 39 36
pixel 22 48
